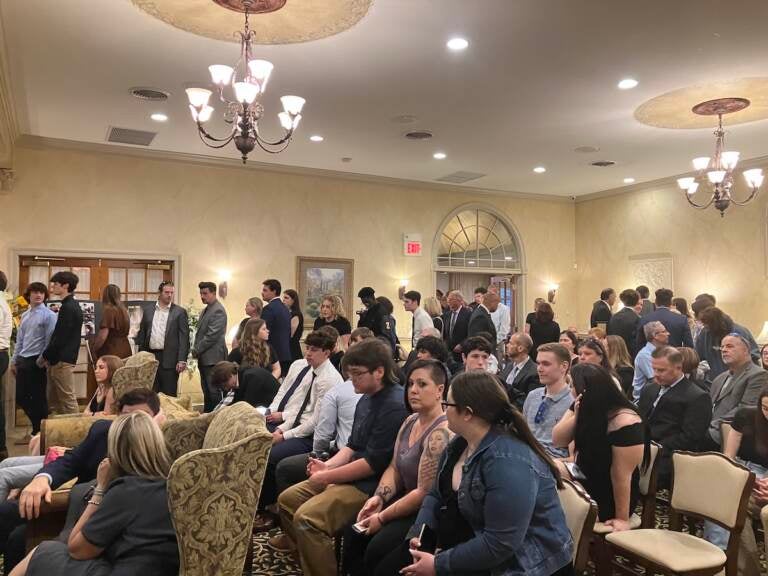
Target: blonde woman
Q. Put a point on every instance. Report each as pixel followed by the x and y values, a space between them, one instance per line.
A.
pixel 126 527
pixel 253 308
pixel 619 357
pixel 332 314
pixel 435 310
pixel 255 351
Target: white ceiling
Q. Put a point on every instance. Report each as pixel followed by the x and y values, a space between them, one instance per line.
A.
pixel 538 80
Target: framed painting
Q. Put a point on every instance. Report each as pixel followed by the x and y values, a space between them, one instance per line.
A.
pixel 318 277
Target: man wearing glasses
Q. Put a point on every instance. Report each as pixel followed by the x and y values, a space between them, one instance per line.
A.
pixel 657 336
pixel 544 407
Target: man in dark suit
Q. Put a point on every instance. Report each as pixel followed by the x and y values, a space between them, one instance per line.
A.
pixel 602 309
pixel 675 410
pixel 646 306
pixel 624 322
pixel 456 324
pixel 164 331
pixel 676 324
pixel 481 321
pixel 82 462
pixel 210 347
pixel 520 375
pixel 278 319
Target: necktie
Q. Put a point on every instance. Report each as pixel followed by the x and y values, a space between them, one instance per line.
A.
pixel 663 390
pixel 292 389
pixel 454 314
pixel 414 337
pixel 513 374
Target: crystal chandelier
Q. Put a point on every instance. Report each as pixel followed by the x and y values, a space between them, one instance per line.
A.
pixel 719 169
pixel 247 81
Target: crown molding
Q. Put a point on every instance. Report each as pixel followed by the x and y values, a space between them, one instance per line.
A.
pixel 31 142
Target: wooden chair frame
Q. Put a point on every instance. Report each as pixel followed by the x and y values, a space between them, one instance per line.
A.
pixel 581 555
pixel 675 523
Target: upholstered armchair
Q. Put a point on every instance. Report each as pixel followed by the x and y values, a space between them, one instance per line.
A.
pixel 138 372
pixel 214 487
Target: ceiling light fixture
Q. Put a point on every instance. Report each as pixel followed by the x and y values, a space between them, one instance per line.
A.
pixel 719 169
pixel 629 180
pixel 539 169
pixel 457 44
pixel 159 117
pixel 316 138
pixel 627 84
pixel 439 156
pixel 245 111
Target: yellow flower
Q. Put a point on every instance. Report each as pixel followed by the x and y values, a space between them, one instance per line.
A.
pixel 22 302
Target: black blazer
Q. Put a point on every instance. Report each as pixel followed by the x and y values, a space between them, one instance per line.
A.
pixel 676 324
pixel 679 422
pixel 83 460
pixel 525 381
pixel 257 387
pixel 481 321
pixel 624 323
pixel 176 348
pixel 278 319
pixel 460 328
pixel 601 312
pixel 65 340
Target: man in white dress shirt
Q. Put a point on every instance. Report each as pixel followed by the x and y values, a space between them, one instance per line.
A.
pixel 501 320
pixel 421 320
pixel 6 327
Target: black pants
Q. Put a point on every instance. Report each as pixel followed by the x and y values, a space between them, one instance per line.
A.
pixel 4 360
pixel 30 391
pixel 290 471
pixel 166 379
pixel 363 556
pixel 12 534
pixel 211 396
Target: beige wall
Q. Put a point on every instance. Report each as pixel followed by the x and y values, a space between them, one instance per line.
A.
pixel 255 223
pixel 723 256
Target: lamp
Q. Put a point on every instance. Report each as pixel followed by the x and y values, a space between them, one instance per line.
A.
pixel 402 288
pixel 224 277
pixel 552 293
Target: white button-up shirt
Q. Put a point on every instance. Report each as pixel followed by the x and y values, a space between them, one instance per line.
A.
pixel 159 325
pixel 6 323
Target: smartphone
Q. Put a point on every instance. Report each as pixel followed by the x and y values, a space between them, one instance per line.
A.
pixel 427 539
pixel 263 410
pixel 359 528
pixel 575 471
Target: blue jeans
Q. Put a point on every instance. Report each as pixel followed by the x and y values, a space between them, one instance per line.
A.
pixel 18 472
pixel 719 536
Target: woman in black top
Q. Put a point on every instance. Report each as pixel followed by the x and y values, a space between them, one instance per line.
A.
pixel 126 528
pixel 432 307
pixel 748 441
pixel 255 351
pixel 569 340
pixel 103 399
pixel 621 361
pixel 610 443
pixel 332 314
pixel 291 301
pixel 543 328
pixel 253 308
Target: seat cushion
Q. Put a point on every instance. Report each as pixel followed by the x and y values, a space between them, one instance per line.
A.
pixel 675 551
pixel 601 528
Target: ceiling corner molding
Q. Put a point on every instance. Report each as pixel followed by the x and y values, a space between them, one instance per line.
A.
pixel 31 142
pixel 9 127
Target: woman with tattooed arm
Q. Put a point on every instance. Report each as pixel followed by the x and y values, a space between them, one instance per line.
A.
pixel 384 520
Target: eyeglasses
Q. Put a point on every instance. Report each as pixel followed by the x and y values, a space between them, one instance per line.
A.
pixel 541 412
pixel 446 404
pixel 357 373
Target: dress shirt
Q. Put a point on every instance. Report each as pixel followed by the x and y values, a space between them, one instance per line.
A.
pixel 326 377
pixel 421 320
pixel 664 389
pixel 550 410
pixel 336 414
pixel 501 321
pixel 159 325
pixel 516 369
pixel 6 323
pixel 34 333
pixel 226 401
pixel 643 370
pixel 452 324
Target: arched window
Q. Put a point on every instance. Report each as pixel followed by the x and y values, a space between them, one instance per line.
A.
pixel 476 238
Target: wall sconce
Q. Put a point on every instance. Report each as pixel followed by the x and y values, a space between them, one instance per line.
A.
pixel 402 288
pixel 552 293
pixel 224 277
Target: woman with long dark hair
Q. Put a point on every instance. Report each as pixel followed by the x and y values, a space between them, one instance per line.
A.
pixel 494 506
pixel 112 338
pixel 609 443
pixel 291 301
pixel 571 342
pixel 717 325
pixel 543 328
pixel 680 305
pixel 255 351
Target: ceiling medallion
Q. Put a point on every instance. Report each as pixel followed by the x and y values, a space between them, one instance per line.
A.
pixel 719 169
pixel 254 7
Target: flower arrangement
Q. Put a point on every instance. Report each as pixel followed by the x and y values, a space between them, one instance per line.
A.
pixel 18 305
pixel 193 317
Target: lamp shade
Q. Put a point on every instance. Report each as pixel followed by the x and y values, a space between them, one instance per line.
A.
pixel 716 176
pixel 701 163
pixel 754 177
pixel 245 92
pixel 729 160
pixel 221 75
pixel 260 72
pixel 685 183
pixel 198 97
pixel 292 104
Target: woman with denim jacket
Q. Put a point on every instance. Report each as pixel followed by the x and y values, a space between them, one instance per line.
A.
pixel 494 506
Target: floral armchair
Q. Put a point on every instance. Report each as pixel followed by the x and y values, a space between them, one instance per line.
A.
pixel 138 372
pixel 214 487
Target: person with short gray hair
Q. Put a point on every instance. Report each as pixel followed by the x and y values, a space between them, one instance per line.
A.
pixel 657 336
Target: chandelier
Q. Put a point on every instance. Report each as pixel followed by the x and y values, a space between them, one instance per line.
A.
pixel 246 82
pixel 720 168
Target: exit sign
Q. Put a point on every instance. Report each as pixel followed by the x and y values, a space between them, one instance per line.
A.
pixel 412 245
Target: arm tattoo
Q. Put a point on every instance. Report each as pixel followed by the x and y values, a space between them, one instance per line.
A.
pixel 385 493
pixel 430 457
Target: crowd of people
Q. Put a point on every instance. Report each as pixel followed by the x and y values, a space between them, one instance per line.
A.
pixel 446 457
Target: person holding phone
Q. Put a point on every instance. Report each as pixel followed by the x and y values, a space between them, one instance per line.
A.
pixel 494 507
pixel 385 518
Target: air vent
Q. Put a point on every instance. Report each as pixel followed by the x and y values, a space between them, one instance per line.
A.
pixel 128 136
pixel 418 135
pixel 603 163
pixel 586 149
pixel 460 177
pixel 150 94
pixel 403 119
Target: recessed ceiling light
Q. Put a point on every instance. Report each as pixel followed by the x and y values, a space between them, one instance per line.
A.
pixel 316 138
pixel 439 156
pixel 471 262
pixel 457 44
pixel 159 117
pixel 539 169
pixel 507 257
pixel 629 180
pixel 627 84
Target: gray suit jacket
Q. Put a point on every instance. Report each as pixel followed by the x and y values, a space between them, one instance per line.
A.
pixel 176 335
pixel 742 390
pixel 210 346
